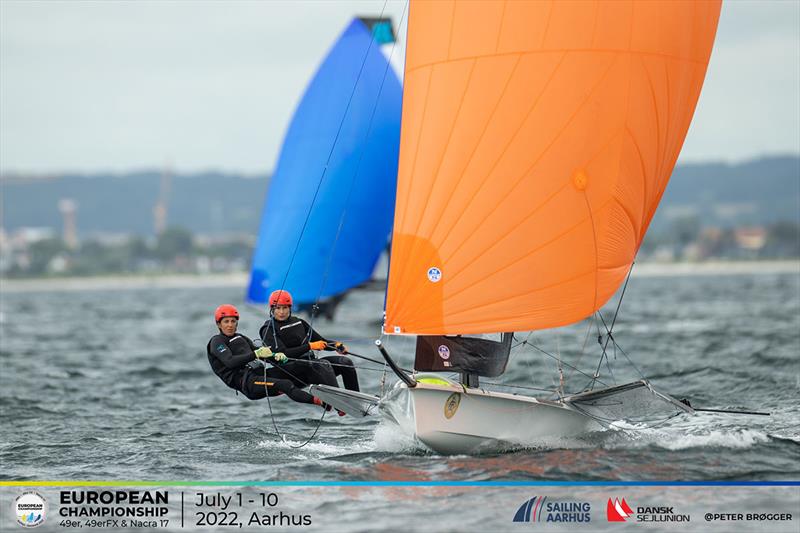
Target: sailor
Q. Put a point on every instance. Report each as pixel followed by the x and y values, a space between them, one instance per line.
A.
pixel 295 337
pixel 238 363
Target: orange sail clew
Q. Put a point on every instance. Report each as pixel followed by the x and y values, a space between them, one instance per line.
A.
pixel 537 139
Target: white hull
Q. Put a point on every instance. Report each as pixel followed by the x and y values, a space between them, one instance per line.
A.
pixel 450 419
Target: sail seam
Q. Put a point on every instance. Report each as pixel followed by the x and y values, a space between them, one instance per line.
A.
pixel 658 130
pixel 452 23
pixel 442 157
pixel 503 152
pixel 412 172
pixel 480 139
pixel 539 207
pixel 532 251
pixel 594 241
pixel 460 326
pixel 500 29
pixel 556 51
pixel 530 168
pixel 665 149
pixel 356 174
pixel 328 160
pixel 547 24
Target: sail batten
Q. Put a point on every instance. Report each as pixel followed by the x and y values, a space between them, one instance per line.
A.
pixel 542 164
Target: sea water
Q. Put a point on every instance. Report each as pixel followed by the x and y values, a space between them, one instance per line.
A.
pixel 115 385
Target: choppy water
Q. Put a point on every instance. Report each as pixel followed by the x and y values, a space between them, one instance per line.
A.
pixel 115 385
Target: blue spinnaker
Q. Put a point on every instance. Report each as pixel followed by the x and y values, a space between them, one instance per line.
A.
pixel 349 118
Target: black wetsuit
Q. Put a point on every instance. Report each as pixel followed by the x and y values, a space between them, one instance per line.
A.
pixel 292 337
pixel 233 360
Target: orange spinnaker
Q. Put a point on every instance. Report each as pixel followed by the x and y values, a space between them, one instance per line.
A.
pixel 537 139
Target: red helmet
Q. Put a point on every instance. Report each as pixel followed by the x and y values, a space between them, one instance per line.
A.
pixel 225 310
pixel 280 297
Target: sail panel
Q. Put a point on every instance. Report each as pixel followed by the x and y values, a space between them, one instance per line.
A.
pixel 349 119
pixel 537 140
pixel 468 355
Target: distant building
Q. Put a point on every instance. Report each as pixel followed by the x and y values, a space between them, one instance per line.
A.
pixel 68 208
pixel 753 238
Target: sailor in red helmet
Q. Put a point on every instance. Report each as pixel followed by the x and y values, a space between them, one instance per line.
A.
pixel 295 337
pixel 233 358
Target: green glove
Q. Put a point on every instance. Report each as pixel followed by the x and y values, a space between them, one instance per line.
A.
pixel 264 353
pixel 280 357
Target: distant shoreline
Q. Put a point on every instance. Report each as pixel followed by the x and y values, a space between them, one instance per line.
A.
pixel 240 279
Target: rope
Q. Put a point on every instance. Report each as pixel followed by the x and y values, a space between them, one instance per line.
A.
pixel 360 157
pixel 275 425
pixel 609 330
pixel 558 359
pixel 328 159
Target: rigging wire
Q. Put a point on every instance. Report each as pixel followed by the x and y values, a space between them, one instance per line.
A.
pixel 328 159
pixel 360 158
pixel 272 415
pixel 609 336
pixel 349 194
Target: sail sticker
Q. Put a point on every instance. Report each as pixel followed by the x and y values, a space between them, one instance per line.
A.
pixel 434 274
pixel 451 405
pixel 397 329
pixel 444 352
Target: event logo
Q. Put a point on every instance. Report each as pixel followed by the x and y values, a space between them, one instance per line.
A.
pixel 451 405
pixel 539 509
pixel 30 508
pixel 617 511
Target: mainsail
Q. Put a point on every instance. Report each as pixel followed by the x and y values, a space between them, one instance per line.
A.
pixel 337 167
pixel 537 140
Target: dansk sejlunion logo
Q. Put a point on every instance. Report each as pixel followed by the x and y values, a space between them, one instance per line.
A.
pixel 617 510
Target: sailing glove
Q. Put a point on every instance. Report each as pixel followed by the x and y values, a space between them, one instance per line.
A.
pixel 280 357
pixel 318 345
pixel 340 347
pixel 264 353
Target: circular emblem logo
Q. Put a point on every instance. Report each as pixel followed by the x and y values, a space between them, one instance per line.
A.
pixel 30 509
pixel 444 352
pixel 434 274
pixel 451 405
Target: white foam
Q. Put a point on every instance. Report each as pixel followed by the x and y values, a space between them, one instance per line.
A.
pixel 745 438
pixel 390 438
pixel 316 447
pixel 681 438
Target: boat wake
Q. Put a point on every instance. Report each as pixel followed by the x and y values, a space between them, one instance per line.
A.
pixel 683 437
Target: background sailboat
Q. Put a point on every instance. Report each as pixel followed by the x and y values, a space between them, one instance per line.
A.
pixel 537 140
pixel 330 202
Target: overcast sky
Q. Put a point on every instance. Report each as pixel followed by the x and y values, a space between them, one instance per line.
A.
pixel 118 86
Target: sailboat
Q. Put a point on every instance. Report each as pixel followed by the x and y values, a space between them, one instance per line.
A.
pixel 537 140
pixel 339 154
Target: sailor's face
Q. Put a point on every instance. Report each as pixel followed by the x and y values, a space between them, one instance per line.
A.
pixel 282 312
pixel 228 326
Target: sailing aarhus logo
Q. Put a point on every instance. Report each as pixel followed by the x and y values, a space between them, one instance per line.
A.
pixel 30 509
pixel 617 510
pixel 539 509
pixel 434 274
